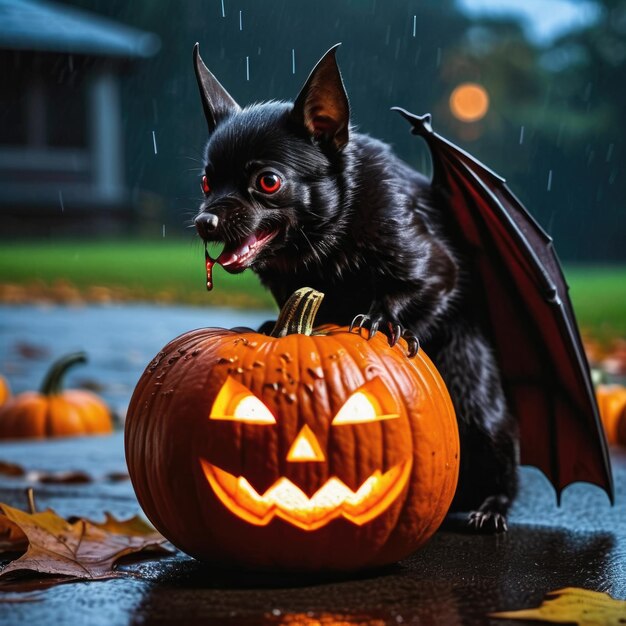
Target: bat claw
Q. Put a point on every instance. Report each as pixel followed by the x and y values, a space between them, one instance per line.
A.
pixel 413 343
pixel 365 321
pixel 357 321
pixel 395 332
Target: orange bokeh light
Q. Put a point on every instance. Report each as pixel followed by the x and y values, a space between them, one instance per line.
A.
pixel 469 102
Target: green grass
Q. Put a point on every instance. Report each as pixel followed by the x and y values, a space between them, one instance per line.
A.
pixel 599 298
pixel 143 269
pixel 149 269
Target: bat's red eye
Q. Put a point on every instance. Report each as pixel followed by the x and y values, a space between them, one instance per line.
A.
pixel 205 185
pixel 268 182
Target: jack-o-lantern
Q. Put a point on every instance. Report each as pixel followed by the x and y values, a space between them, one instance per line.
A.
pixel 301 450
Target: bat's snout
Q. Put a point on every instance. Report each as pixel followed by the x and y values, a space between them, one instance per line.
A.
pixel 206 225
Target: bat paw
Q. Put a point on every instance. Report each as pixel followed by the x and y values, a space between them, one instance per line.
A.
pixel 393 330
pixel 487 522
pixel 491 515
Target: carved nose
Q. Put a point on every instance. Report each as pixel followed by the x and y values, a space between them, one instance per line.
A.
pixel 206 223
pixel 305 447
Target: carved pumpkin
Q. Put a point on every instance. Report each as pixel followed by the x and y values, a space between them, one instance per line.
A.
pixel 612 406
pixel 295 451
pixel 53 412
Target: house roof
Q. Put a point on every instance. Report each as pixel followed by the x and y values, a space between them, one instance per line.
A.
pixel 45 26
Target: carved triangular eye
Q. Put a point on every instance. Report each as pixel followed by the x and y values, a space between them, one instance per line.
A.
pixel 234 402
pixel 370 403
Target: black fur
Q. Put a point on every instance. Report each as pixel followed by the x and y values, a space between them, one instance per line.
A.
pixel 355 222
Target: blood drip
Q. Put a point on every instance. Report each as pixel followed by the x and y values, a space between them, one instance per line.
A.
pixel 209 269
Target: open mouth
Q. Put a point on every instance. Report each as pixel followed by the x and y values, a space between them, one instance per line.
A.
pixel 286 500
pixel 236 257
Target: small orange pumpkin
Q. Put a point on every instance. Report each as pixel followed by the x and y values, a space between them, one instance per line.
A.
pixel 612 406
pixel 53 412
pixel 297 451
pixel 5 390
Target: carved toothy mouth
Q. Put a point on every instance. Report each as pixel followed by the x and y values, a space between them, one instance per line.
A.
pixel 287 501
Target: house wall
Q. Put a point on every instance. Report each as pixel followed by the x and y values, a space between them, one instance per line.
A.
pixel 61 146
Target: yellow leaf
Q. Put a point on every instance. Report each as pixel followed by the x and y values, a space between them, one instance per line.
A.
pixel 133 526
pixel 572 605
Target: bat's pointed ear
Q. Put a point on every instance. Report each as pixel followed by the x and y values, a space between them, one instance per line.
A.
pixel 322 105
pixel 217 102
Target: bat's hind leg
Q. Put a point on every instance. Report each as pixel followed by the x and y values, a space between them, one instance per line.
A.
pixel 489 440
pixel 488 478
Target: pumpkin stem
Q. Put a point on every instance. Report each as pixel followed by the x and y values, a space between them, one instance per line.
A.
pixel 30 496
pixel 52 382
pixel 298 313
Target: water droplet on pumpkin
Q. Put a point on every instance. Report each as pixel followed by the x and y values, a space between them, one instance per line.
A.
pixel 286 357
pixel 196 352
pixel 258 364
pixel 157 360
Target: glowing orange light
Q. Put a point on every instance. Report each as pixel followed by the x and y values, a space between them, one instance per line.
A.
pixel 469 102
pixel 306 447
pixel 286 500
pixel 234 402
pixel 361 407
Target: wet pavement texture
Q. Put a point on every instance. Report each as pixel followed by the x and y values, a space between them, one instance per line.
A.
pixel 457 578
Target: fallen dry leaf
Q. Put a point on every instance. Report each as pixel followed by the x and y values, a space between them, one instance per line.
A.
pixel 72 477
pixel 79 549
pixel 572 605
pixel 12 539
pixel 132 527
pixel 115 477
pixel 11 469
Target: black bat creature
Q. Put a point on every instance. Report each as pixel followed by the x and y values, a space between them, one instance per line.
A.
pixel 301 199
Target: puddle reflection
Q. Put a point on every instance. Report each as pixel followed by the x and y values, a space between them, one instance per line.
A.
pixel 456 579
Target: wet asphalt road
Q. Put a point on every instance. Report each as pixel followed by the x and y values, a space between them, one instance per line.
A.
pixel 457 578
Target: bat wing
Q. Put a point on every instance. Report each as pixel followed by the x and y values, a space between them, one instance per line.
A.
pixel 527 310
